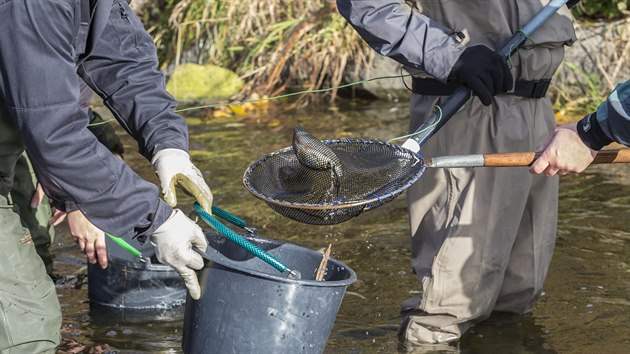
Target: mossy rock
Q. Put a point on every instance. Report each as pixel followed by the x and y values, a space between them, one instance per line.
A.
pixel 199 83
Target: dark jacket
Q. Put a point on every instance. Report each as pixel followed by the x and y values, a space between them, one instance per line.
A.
pixel 613 115
pixel 41 49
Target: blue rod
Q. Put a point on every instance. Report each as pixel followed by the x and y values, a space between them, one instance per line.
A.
pixel 549 10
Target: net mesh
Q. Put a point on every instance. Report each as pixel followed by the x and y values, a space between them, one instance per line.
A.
pixel 373 173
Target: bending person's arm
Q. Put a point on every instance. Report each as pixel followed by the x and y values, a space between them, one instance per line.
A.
pixel 122 69
pixel 572 147
pixel 40 88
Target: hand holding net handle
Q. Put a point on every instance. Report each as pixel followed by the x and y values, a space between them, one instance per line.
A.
pixel 461 95
pixel 516 159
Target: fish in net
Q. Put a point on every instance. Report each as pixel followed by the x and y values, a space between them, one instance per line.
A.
pixel 331 181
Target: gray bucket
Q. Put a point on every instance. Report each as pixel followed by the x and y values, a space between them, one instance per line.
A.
pixel 247 306
pixel 128 283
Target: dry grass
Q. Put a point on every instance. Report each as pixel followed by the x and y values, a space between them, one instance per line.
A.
pixel 282 45
pixel 605 65
pixel 271 44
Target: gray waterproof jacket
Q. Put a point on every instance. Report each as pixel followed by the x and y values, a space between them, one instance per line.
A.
pixel 43 44
pixel 397 30
pixel 408 32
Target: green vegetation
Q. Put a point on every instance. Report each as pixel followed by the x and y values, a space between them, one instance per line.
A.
pixel 586 97
pixel 591 88
pixel 601 9
pixel 278 45
pixel 271 44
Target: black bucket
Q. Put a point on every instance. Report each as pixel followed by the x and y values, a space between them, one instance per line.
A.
pixel 128 283
pixel 247 306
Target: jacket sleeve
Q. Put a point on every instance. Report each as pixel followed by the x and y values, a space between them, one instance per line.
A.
pixel 40 88
pixel 396 30
pixel 614 115
pixel 121 67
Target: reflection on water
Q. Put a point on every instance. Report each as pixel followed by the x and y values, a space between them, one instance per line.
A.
pixel 139 330
pixel 586 306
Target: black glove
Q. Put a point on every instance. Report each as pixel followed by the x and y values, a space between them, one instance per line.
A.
pixel 484 71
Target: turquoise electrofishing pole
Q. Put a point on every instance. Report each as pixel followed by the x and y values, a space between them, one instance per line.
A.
pixel 223 230
pixel 238 239
pixel 216 210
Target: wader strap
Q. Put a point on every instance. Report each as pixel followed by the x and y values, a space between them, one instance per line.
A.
pixel 531 89
pixel 84 26
pixel 522 88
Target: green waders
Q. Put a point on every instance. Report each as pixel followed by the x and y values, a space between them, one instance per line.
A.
pixel 30 315
pixel 35 219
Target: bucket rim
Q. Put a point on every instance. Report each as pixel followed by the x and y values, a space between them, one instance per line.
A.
pixel 138 265
pixel 218 258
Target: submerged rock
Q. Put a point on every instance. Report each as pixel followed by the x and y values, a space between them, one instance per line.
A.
pixel 199 83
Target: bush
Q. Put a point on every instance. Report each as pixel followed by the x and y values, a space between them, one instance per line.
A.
pixel 601 9
pixel 272 44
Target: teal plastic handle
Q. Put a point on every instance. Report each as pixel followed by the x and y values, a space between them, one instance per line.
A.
pixel 240 240
pixel 228 217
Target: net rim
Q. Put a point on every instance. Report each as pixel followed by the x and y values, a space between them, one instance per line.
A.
pixel 368 203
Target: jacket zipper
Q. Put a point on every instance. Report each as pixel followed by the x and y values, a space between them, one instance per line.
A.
pixel 125 16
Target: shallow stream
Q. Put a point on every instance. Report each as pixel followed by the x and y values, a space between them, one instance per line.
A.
pixel 585 308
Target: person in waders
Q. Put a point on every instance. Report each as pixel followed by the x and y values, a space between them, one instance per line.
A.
pixel 482 239
pixel 572 147
pixel 34 206
pixel 43 45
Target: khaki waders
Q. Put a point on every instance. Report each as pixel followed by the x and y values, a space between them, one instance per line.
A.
pixel 483 238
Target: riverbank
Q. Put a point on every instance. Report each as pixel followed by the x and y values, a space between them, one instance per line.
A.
pixel 282 46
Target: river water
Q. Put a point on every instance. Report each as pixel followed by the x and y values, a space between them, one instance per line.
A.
pixel 585 307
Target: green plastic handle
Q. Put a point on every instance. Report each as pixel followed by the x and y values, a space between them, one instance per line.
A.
pixel 124 245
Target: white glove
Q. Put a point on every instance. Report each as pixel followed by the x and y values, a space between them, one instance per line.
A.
pixel 173 167
pixel 173 243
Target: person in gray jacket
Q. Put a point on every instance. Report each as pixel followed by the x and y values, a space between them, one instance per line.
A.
pixel 43 45
pixel 572 147
pixel 482 239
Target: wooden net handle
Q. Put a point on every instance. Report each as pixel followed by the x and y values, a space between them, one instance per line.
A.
pixel 514 159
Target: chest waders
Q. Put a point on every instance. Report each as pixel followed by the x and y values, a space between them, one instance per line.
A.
pixel 482 239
